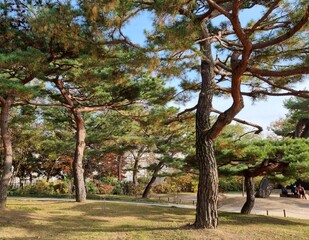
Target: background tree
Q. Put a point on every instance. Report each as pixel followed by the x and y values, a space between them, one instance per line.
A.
pixel 20 62
pixel 42 143
pixel 169 141
pixel 282 161
pixel 296 123
pixel 93 66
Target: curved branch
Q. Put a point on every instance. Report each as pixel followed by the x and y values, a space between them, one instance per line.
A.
pixel 187 110
pixel 259 128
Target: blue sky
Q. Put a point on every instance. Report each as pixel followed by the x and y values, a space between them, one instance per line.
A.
pixel 262 112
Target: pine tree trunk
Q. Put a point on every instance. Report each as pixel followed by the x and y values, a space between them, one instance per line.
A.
pixel 78 171
pixel 207 195
pixel 137 158
pixel 152 180
pixel 135 171
pixel 249 204
pixel 119 161
pixel 8 151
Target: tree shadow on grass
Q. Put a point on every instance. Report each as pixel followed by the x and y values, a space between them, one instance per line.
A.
pixel 143 212
pixel 74 219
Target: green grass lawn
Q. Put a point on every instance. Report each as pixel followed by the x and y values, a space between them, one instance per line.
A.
pixel 32 219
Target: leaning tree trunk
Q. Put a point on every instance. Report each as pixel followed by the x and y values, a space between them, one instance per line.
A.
pixel 78 171
pixel 153 179
pixel 249 204
pixel 8 152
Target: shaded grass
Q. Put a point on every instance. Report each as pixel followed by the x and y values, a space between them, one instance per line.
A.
pixel 32 219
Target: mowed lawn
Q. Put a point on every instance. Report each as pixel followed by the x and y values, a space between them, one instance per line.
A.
pixel 33 219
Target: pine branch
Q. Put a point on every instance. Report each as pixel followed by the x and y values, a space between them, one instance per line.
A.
pixel 303 21
pixel 259 128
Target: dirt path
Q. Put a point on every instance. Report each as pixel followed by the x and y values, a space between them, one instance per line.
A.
pixel 272 206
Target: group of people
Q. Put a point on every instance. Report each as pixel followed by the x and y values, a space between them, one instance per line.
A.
pixel 298 191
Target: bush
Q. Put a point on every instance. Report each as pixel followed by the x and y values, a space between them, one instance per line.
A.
pixel 91 187
pixel 107 185
pixel 42 187
pixel 230 184
pixel 129 188
pixel 118 190
pixel 105 188
pixel 184 183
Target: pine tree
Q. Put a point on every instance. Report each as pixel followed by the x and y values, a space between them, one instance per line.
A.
pixel 256 59
pixel 296 122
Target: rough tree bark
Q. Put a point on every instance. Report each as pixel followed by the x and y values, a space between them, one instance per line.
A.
pixel 8 152
pixel 78 171
pixel 153 179
pixel 207 195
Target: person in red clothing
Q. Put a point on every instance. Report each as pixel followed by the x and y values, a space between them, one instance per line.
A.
pixel 301 191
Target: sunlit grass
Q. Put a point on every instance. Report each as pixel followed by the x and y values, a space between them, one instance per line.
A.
pixel 32 219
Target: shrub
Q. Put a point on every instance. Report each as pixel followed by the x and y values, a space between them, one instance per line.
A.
pixel 91 187
pixel 118 189
pixel 105 188
pixel 184 183
pixel 230 184
pixel 129 188
pixel 42 187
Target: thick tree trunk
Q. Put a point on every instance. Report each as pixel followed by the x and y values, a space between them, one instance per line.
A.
pixel 249 204
pixel 152 180
pixel 78 171
pixel 8 151
pixel 207 195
